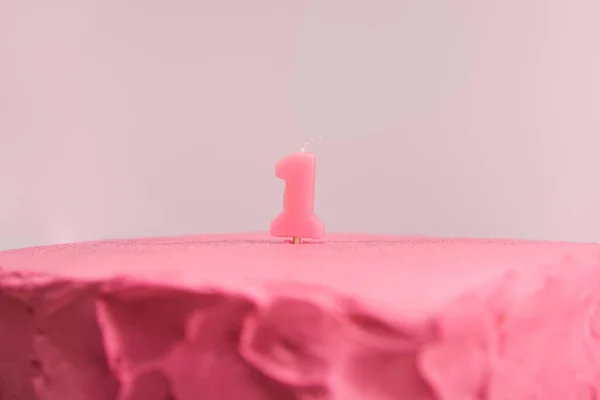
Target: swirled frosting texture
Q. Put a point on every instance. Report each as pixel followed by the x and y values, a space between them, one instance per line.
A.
pixel 350 318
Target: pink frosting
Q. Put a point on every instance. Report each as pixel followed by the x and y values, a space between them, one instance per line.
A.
pixel 353 317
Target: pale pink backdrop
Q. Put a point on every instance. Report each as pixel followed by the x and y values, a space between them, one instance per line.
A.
pixel 440 117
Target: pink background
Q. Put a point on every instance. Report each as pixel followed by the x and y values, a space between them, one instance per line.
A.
pixel 455 118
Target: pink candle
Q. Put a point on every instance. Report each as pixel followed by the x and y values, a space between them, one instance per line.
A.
pixel 298 220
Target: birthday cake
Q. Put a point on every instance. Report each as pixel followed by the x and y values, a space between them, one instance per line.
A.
pixel 297 315
pixel 252 317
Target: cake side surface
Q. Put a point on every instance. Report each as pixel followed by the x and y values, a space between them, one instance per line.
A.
pixel 247 317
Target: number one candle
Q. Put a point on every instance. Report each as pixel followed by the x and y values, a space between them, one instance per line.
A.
pixel 298 219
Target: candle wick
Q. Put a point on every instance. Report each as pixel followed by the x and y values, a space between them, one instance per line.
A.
pixel 310 142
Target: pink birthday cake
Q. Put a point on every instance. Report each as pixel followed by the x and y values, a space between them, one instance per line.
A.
pixel 263 317
pixel 252 317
